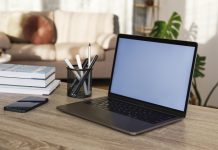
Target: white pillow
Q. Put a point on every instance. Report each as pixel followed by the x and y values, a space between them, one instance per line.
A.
pixel 107 41
pixel 15 25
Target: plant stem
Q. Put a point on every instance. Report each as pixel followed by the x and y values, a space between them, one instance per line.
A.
pixel 192 99
pixel 194 84
pixel 209 95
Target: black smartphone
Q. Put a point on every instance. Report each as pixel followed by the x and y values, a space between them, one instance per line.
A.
pixel 26 104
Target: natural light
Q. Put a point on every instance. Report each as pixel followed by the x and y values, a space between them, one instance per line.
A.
pixel 205 15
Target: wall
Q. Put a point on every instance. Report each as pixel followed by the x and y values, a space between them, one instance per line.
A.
pixel 205 15
pixel 122 8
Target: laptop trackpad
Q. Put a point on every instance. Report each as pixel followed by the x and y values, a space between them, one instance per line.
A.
pixel 107 118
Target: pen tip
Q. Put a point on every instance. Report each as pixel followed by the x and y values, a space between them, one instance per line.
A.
pixel 89 44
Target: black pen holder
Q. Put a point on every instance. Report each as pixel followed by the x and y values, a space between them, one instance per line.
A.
pixel 79 82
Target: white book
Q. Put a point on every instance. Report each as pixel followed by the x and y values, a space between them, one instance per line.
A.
pixel 30 90
pixel 25 71
pixel 26 81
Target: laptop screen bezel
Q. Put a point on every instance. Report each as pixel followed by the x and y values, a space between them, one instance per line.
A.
pixel 147 104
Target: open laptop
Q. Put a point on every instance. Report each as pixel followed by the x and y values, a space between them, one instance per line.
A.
pixel 149 87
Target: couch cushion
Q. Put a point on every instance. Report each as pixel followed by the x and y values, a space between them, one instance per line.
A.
pixel 95 50
pixel 69 50
pixel 32 52
pixel 82 27
pixel 15 28
pixel 39 30
pixel 4 41
pixel 66 50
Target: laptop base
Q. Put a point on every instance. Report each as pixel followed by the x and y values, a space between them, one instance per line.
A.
pixel 110 119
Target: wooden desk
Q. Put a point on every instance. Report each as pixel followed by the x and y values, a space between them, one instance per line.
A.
pixel 47 128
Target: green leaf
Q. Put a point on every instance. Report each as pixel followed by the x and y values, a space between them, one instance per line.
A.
pixel 167 30
pixel 175 33
pixel 202 63
pixel 202 58
pixel 198 74
pixel 177 25
pixel 157 30
pixel 199 66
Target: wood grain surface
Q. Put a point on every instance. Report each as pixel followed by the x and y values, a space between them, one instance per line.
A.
pixel 45 128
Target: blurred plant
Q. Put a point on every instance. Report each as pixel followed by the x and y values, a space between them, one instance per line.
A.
pixel 170 30
pixel 167 30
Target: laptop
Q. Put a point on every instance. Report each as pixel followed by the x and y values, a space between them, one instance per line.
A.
pixel 149 87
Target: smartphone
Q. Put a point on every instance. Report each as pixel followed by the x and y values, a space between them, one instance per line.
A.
pixel 26 104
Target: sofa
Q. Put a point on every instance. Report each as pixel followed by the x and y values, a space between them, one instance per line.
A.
pixel 73 31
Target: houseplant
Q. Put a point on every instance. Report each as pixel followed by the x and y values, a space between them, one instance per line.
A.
pixel 170 30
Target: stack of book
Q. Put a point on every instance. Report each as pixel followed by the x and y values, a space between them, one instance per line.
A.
pixel 26 79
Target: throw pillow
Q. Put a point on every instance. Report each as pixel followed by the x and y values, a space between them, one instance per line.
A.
pixel 107 41
pixel 39 30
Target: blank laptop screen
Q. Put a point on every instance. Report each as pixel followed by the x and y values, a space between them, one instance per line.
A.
pixel 153 72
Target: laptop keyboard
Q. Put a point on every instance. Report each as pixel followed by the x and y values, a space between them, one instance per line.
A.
pixel 131 110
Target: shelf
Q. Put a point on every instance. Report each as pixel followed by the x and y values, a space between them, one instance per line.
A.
pixel 145 6
pixel 146 12
pixel 144 30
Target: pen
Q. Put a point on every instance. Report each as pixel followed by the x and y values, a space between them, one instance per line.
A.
pixel 76 88
pixel 71 67
pixel 85 62
pixel 81 72
pixel 89 54
pixel 89 61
